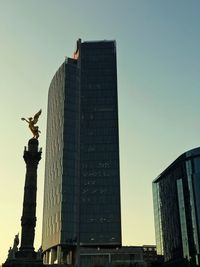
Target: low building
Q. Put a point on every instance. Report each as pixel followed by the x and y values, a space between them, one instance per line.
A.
pixel 150 256
pixel 119 257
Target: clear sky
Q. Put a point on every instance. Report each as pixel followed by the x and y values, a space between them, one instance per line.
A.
pixel 158 86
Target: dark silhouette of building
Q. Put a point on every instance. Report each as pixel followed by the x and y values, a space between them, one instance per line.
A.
pixel 176 195
pixel 111 257
pixel 125 256
pixel 82 182
pixel 151 258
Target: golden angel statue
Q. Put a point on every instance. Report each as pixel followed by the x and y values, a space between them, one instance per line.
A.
pixel 31 124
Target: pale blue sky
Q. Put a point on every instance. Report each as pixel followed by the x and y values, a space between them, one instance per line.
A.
pixel 158 83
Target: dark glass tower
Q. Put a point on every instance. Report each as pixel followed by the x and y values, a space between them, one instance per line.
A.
pixel 82 181
pixel 176 195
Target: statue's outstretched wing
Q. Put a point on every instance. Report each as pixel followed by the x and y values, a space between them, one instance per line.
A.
pixel 36 116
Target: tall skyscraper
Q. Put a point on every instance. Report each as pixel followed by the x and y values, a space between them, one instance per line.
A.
pixel 176 195
pixel 82 180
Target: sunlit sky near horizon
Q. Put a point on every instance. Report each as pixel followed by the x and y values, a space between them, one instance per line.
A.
pixel 158 89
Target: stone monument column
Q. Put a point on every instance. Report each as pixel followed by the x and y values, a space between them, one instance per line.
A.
pixel 26 255
pixel 28 221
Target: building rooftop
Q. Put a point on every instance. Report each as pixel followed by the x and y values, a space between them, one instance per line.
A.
pixel 186 155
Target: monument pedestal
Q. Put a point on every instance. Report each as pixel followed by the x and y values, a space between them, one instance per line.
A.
pixel 23 262
pixel 25 259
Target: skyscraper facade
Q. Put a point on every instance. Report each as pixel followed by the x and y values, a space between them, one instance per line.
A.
pixel 176 195
pixel 82 179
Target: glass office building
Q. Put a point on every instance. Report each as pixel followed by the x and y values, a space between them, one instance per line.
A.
pixel 82 181
pixel 176 196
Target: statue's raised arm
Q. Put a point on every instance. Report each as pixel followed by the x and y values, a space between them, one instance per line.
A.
pixel 31 122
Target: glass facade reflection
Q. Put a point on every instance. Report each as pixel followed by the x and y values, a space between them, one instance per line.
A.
pixel 176 195
pixel 82 183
